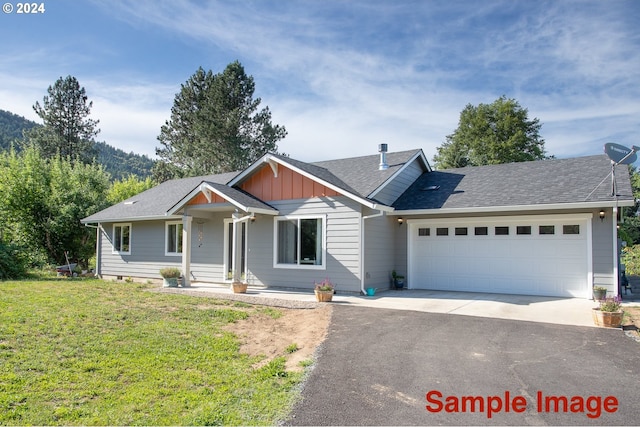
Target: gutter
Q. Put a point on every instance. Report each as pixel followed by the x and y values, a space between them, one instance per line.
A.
pixel 514 208
pixel 379 214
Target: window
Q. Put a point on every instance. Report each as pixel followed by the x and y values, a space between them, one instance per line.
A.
pixel 461 231
pixel 481 231
pixel 523 229
pixel 122 239
pixel 442 231
pixel 570 229
pixel 502 231
pixel 547 229
pixel 300 242
pixel 424 232
pixel 173 238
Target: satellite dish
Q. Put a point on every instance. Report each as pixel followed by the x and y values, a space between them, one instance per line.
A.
pixel 620 154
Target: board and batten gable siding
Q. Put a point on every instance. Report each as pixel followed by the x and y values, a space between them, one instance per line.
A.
pixel 400 183
pixel 342 245
pixel 288 185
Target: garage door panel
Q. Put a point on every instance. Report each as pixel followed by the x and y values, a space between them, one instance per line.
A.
pixel 535 264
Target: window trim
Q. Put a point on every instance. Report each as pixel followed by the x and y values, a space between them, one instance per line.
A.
pixel 322 265
pixel 113 239
pixel 166 238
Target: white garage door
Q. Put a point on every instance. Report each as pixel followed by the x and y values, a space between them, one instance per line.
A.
pixel 536 255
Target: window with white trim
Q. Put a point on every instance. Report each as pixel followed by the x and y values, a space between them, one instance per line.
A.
pixel 300 242
pixel 173 238
pixel 122 239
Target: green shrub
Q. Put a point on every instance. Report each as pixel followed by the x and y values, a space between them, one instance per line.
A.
pixel 13 263
pixel 631 259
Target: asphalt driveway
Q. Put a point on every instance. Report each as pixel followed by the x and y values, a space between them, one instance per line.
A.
pixel 378 365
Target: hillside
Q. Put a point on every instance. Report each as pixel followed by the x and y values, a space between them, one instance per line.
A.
pixel 115 161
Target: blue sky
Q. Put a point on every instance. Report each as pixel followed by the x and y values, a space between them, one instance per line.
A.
pixel 341 76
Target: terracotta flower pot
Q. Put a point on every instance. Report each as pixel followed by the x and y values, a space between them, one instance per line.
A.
pixel 609 319
pixel 323 296
pixel 239 287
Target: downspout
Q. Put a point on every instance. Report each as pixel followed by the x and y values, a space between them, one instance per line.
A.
pixel 362 248
pixel 616 272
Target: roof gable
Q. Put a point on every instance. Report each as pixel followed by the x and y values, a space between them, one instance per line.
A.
pixel 364 175
pixel 313 172
pixel 287 184
pixel 217 194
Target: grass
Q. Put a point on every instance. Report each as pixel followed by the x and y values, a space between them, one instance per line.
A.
pixel 90 352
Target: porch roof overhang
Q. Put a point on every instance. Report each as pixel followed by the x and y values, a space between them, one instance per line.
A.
pixel 235 197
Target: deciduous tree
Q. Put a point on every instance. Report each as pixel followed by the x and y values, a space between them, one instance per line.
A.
pixel 500 132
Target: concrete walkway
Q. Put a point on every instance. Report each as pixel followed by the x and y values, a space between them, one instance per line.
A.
pixel 562 311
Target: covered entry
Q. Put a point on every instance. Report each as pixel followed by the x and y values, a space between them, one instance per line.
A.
pixel 531 255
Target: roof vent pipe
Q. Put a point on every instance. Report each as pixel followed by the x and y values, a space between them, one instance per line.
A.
pixel 382 149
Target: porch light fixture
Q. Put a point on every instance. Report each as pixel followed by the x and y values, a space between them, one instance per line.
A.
pixel 252 218
pixel 400 220
pixel 601 215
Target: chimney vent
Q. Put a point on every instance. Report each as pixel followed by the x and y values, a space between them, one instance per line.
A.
pixel 382 149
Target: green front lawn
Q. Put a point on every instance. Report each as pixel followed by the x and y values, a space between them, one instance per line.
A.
pixel 90 352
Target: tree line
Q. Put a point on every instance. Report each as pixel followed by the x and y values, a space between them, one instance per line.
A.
pixel 55 173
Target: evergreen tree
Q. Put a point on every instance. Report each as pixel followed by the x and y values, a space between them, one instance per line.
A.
pixel 215 126
pixel 67 129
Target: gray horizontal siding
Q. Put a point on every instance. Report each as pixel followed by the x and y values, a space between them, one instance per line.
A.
pixel 380 247
pixel 343 242
pixel 400 183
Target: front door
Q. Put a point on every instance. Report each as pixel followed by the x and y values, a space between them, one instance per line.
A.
pixel 235 250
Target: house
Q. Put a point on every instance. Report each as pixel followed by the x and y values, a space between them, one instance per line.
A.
pixel 536 228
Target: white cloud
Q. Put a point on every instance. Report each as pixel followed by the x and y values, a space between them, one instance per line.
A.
pixel 343 77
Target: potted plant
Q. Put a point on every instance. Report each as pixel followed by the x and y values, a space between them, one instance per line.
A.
pixel 170 276
pixel 398 280
pixel 609 313
pixel 599 293
pixel 324 290
pixel 239 287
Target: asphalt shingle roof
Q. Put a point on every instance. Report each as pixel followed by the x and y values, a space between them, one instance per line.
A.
pixel 557 181
pixel 362 174
pixel 156 201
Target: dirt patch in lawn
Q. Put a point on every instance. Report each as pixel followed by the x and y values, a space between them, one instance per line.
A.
pixel 631 320
pixel 295 334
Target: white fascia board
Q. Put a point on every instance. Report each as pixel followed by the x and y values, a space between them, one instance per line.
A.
pixel 419 154
pixel 133 219
pixel 267 158
pixel 499 209
pixel 271 159
pixel 206 187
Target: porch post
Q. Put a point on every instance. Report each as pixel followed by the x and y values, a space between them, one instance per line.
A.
pixel 234 249
pixel 186 250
